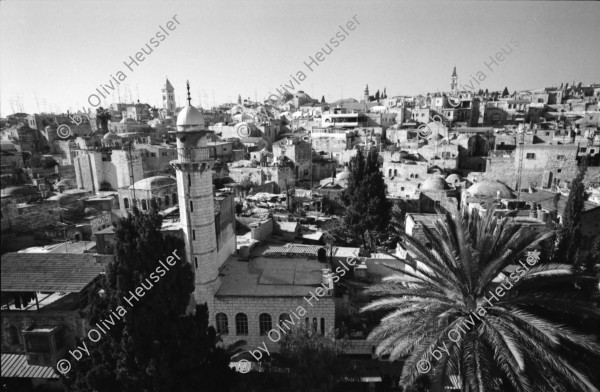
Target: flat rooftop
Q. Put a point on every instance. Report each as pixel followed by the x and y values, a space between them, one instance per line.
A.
pixel 270 277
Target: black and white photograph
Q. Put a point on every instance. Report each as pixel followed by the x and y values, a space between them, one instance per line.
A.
pixel 300 196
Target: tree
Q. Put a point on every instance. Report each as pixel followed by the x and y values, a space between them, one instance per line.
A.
pixel 505 92
pixel 384 93
pixel 239 101
pixel 367 208
pixel 322 99
pixel 102 118
pixel 153 345
pixel 570 232
pixel 314 358
pixel 377 96
pixel 463 308
pixel 246 184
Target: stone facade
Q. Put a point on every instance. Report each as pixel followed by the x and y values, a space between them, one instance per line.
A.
pixel 253 307
pixel 543 165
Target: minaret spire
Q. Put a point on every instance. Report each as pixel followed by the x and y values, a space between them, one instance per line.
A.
pixel 189 98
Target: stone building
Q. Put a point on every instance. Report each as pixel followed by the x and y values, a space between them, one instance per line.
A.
pixel 43 324
pixel 543 165
pixel 108 169
pixel 162 189
pixel 281 175
pixel 298 151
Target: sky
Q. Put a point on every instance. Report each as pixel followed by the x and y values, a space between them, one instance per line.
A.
pixel 54 54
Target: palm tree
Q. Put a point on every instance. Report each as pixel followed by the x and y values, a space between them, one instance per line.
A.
pixel 473 309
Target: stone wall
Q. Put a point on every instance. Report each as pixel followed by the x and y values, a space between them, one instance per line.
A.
pixel 275 307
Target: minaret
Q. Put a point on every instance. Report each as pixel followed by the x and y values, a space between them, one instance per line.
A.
pixel 196 203
pixel 168 95
pixel 454 84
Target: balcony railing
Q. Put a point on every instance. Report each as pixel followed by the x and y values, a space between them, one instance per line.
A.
pixel 197 154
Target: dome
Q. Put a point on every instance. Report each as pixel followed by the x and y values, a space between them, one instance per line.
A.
pixel 436 183
pixel 111 136
pixel 66 183
pixel 90 211
pixel 63 199
pixel 151 183
pixel 489 188
pixel 454 179
pixel 189 117
pixel 343 176
pixel 19 190
pixel 236 109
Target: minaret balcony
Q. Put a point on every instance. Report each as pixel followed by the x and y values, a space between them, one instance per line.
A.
pixel 197 154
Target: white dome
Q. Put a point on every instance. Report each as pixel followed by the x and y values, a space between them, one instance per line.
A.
pixel 190 117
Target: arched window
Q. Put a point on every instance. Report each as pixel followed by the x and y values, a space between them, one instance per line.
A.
pixel 159 201
pixel 241 324
pixel 13 335
pixel 395 172
pixel 314 324
pixel 222 324
pixel 166 200
pixel 144 204
pixel 390 173
pixel 126 203
pixel 416 176
pixel 264 323
pixel 174 198
pixel 412 175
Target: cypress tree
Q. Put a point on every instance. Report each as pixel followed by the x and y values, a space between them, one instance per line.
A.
pixel 570 233
pixel 367 208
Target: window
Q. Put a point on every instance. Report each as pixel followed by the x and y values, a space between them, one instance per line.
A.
pixel 530 155
pixel 314 324
pixel 194 235
pixel 547 133
pixel 13 335
pixel 191 206
pixel 153 154
pixel 561 157
pixel 159 201
pixel 558 170
pixel 322 326
pixel 241 324
pixel 196 262
pixel 189 179
pixel 164 154
pixel 166 200
pixel 126 203
pixel 402 188
pixel 222 324
pixel 583 149
pixel 592 150
pixel 174 196
pixel 144 205
pixel 264 323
